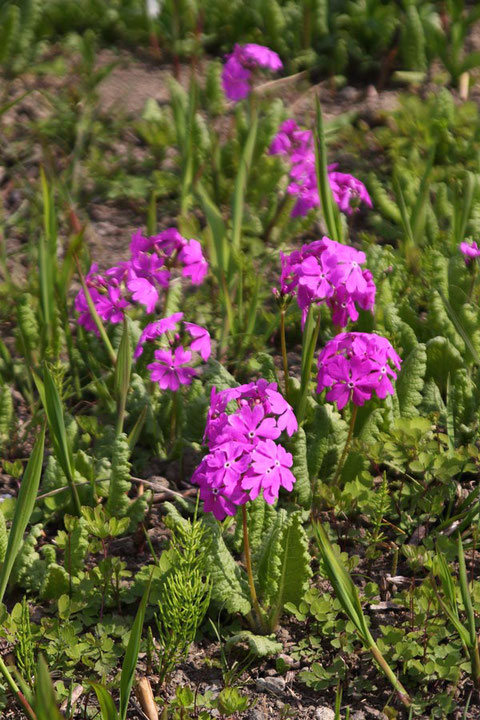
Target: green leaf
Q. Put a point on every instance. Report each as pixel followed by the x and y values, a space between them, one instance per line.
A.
pixel 241 184
pixel 410 379
pixel 292 569
pixel 58 434
pixel 45 704
pixel 329 209
pixel 131 655
pixel 23 509
pixel 259 645
pixel 105 700
pixel 302 488
pixel 442 360
pixel 215 375
pixel 343 585
pixel 122 374
pixel 229 580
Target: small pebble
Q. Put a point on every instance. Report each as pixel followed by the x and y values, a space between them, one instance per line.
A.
pixel 324 713
pixel 274 685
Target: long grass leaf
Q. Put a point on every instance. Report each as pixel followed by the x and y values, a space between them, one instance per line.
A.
pixel 466 595
pixel 131 655
pixel 241 181
pixel 45 704
pixel 122 374
pixel 329 208
pixel 23 509
pixel 58 433
pixel 46 264
pixel 417 220
pixel 107 706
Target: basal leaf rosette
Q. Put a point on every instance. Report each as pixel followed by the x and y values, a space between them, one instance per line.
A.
pixel 245 459
pixel 352 366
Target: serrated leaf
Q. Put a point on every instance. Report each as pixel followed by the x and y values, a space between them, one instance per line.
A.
pixel 410 380
pixel 442 359
pixel 302 488
pixel 215 375
pixel 229 580
pixel 258 645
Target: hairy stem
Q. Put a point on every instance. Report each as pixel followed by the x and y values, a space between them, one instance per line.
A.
pixel 307 369
pixel 347 444
pixel 284 350
pixel 248 563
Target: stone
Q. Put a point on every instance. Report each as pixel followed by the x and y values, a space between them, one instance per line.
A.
pixel 275 685
pixel 324 713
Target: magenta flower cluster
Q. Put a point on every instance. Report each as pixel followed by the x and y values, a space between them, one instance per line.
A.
pixel 327 271
pixel 244 458
pixel 141 278
pixel 237 71
pixel 470 251
pixel 355 365
pixel 297 146
pixel 176 342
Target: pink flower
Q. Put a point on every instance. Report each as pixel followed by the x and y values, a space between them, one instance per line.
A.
pixel 297 146
pixel 327 271
pixel 354 365
pixel 254 55
pixel 471 251
pixel 155 329
pixel 169 368
pixel 236 73
pixel 177 342
pixel 348 192
pixel 269 472
pixel 201 342
pixel 195 265
pixel 250 424
pixel 235 79
pixel 240 422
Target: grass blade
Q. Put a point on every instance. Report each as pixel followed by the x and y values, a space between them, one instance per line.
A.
pixel 95 316
pixel 58 434
pixel 45 702
pixel 241 182
pixel 347 594
pixel 122 375
pixel 107 706
pixel 329 209
pixel 47 259
pixel 131 655
pixel 23 509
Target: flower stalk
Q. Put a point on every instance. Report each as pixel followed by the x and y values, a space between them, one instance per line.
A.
pixel 346 447
pixel 248 563
pixel 284 351
pixel 310 343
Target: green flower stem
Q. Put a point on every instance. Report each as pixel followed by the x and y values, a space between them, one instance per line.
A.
pixel 95 315
pixel 472 283
pixel 347 444
pixel 27 709
pixel 307 369
pixel 248 563
pixel 173 418
pixel 284 350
